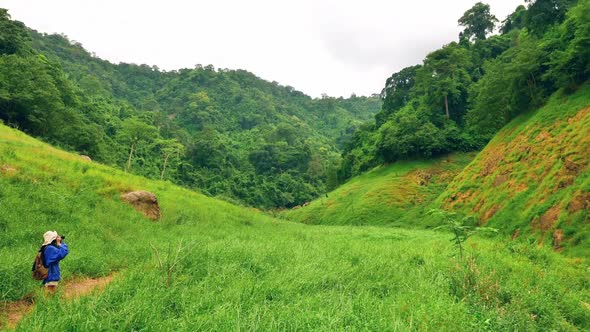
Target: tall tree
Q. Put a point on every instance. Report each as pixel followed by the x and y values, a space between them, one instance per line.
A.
pixel 541 14
pixel 444 78
pixel 570 62
pixel 515 20
pixel 169 148
pixel 478 22
pixel 396 92
pixel 13 35
pixel 134 131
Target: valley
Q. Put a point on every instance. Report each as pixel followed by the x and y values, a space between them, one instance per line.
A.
pixel 457 198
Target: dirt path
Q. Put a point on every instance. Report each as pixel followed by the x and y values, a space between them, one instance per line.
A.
pixel 72 289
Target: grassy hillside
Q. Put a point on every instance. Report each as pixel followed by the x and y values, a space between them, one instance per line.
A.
pixel 241 270
pixel 534 175
pixel 395 195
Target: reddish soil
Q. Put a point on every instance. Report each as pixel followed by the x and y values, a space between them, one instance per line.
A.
pixel 494 156
pixel 421 177
pixel 558 237
pixel 83 287
pixel 500 179
pixel 543 137
pixel 579 116
pixel 517 187
pixel 490 213
pixel 516 234
pixel 579 202
pixel 571 167
pixel 144 202
pixel 547 220
pixel 7 169
pixel 476 208
pixel 16 310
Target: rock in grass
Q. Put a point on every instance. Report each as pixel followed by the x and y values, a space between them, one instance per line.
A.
pixel 144 202
pixel 86 158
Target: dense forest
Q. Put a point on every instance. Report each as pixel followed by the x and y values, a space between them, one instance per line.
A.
pixel 225 132
pixel 463 93
pixel 229 133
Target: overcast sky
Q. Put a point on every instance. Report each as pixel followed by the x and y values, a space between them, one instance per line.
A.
pixel 337 47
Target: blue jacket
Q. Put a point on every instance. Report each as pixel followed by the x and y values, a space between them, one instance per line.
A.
pixel 51 257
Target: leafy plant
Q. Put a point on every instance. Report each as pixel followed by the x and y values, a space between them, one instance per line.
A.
pixel 460 226
pixel 168 262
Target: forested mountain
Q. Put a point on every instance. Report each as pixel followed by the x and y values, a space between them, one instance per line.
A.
pixel 225 132
pixel 231 134
pixel 463 93
pixel 527 89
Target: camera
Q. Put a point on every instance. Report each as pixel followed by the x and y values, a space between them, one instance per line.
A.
pixel 63 237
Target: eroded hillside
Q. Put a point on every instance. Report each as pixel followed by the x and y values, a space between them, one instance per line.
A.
pixel 395 195
pixel 534 175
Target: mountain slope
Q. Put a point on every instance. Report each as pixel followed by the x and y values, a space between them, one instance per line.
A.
pixel 209 265
pixel 273 145
pixel 534 175
pixel 395 195
pixel 226 132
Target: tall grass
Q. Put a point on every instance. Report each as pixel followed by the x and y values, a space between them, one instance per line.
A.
pixel 241 270
pixel 398 195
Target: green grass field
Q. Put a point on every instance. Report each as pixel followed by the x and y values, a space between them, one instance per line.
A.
pixel 242 270
pixel 395 195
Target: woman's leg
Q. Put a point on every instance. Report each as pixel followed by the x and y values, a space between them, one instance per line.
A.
pixel 51 287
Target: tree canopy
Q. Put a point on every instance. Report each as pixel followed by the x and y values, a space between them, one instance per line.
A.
pixel 224 132
pixel 464 92
pixel 478 22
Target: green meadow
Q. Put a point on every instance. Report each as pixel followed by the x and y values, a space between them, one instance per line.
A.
pixel 212 266
pixel 398 194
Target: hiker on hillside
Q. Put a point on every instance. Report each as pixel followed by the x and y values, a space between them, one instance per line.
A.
pixel 53 251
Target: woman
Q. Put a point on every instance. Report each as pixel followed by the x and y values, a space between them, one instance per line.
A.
pixel 54 250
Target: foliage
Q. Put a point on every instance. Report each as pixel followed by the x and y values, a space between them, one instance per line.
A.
pixel 464 93
pixel 478 22
pixel 542 14
pixel 570 61
pixel 461 227
pixel 533 177
pixel 407 136
pixel 396 93
pixel 443 81
pixel 516 20
pixel 210 129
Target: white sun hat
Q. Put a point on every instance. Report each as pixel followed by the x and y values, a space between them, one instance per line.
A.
pixel 48 237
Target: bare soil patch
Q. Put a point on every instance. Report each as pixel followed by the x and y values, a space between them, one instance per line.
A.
pixel 547 220
pixel 15 311
pixel 500 179
pixel 558 237
pixel 490 213
pixel 7 169
pixel 579 202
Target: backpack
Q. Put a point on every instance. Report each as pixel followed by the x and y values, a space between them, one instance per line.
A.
pixel 40 272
